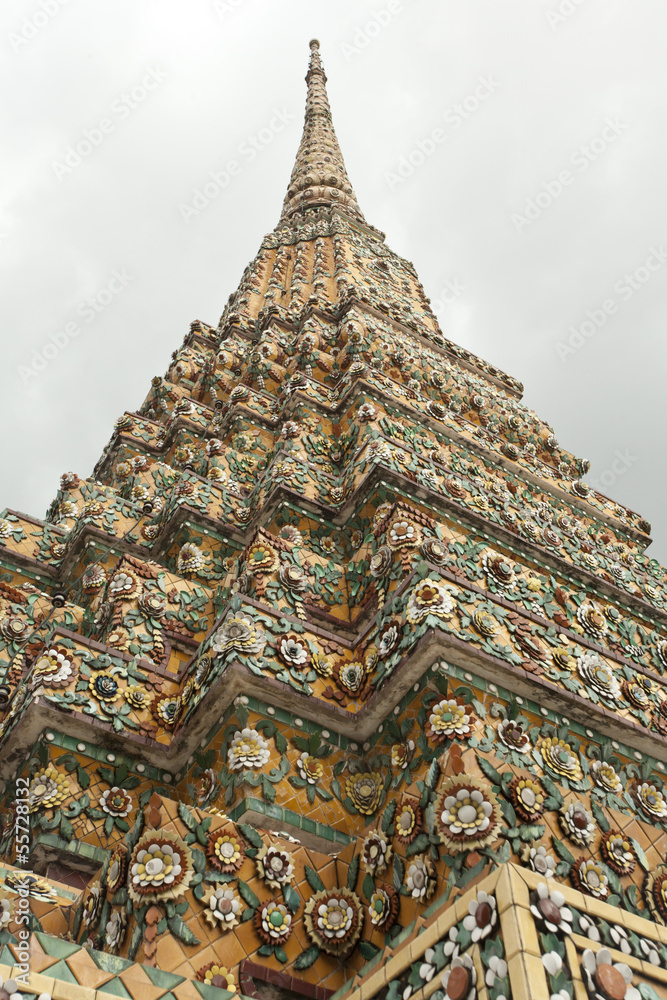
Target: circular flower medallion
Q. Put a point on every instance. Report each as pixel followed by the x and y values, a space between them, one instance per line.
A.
pixel 247 749
pixel 223 909
pixel 92 906
pixel 136 696
pixel 116 929
pixel 448 720
pixel 376 853
pixel 160 868
pixel 540 862
pixel 310 768
pixel 402 754
pixel 293 651
pixel 512 735
pixel 384 907
pixel 577 824
pixel 596 674
pixel 420 879
pixel 116 801
pixel 214 974
pixel 560 758
pixel 549 909
pixel 618 852
pixel 225 851
pixel 592 620
pixel 273 922
pixel 365 789
pixel 603 977
pixel 275 866
pixel 460 979
pixel 429 598
pixel 605 777
pixel 388 639
pixel 116 870
pixel 190 559
pixel 381 562
pixel 239 633
pixel 589 876
pixel 527 797
pixel 408 821
pixel 498 569
pixel 433 550
pixel 48 789
pixel 651 800
pixel 104 687
pixel 655 893
pixel 403 534
pixel 467 814
pixel 482 916
pixel 333 919
pixel 53 668
pixel 351 677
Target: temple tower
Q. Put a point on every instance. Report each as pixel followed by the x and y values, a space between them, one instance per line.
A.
pixel 334 677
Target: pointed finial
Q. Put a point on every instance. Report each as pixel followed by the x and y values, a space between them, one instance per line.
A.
pixel 319 177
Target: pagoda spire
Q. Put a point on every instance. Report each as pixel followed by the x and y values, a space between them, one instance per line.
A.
pixel 319 177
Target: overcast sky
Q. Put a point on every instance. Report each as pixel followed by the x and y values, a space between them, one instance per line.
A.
pixel 539 206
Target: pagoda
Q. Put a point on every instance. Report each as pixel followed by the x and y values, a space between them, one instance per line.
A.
pixel 335 679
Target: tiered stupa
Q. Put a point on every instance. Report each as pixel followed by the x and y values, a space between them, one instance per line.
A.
pixel 334 677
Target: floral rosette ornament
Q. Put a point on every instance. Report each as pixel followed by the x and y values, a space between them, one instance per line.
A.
pixel 589 876
pixel 467 814
pixel 275 866
pixel 401 534
pixel 577 824
pixel 310 768
pixel 598 675
pixel 651 800
pixel 448 720
pixel 408 820
pixel 540 861
pixel 247 749
pixel 116 870
pixel 218 975
pixel 420 879
pixel 429 598
pixel 604 775
pixel 53 668
pixel 618 852
pixel 273 922
pixel 560 758
pixel 365 791
pixel 239 633
pixel 333 919
pixel 351 677
pixel 48 789
pixel 376 853
pixel 223 908
pixel 459 981
pixel 528 798
pixel 116 929
pixel 384 908
pixel 482 916
pixel 160 868
pixel 655 893
pixel 225 852
pixel 388 639
pixel 511 734
pixel 116 802
pixel 402 754
pixel 293 651
pixel 605 978
pixel 548 907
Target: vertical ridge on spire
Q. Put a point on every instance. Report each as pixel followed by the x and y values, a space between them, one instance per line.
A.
pixel 319 176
